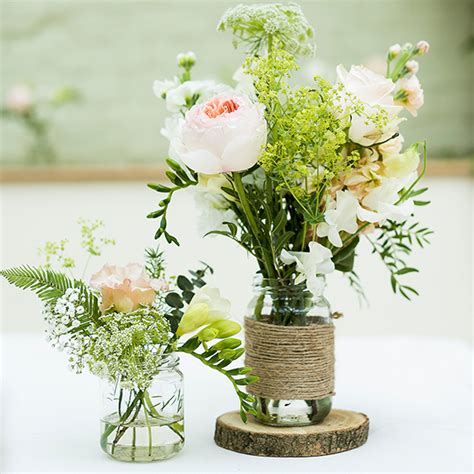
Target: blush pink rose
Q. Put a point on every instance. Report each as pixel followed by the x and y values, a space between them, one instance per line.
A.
pixel 19 99
pixel 125 289
pixel 224 134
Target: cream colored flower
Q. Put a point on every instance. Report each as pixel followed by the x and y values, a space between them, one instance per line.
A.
pixel 410 94
pixel 125 289
pixel 402 165
pixel 206 307
pixel 310 266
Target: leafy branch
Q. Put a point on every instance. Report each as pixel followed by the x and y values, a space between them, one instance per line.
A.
pixel 184 294
pixel 49 285
pixel 181 179
pixel 393 245
pixel 355 283
pixel 218 357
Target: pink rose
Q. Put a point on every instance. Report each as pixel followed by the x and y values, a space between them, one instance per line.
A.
pixel 19 99
pixel 125 289
pixel 410 94
pixel 225 134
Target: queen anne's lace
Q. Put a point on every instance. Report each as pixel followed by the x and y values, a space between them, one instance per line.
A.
pixel 256 25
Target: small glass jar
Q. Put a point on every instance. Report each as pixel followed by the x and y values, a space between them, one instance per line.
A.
pixel 284 303
pixel 143 425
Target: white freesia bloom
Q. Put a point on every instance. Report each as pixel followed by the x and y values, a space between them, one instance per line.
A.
pixel 375 91
pixel 161 88
pixel 212 203
pixel 206 307
pixel 341 216
pixel 225 134
pixel 309 265
pixel 383 199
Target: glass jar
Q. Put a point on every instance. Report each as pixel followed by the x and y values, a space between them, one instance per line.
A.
pixel 145 424
pixel 284 303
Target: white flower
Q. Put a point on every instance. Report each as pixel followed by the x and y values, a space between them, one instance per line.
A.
pixel 223 135
pixel 375 92
pixel 19 99
pixel 244 82
pixel 402 165
pixel 309 265
pixel 341 216
pixel 392 147
pixel 394 51
pixel 206 307
pixel 412 66
pixel 161 88
pixel 383 199
pixel 212 203
pixel 423 47
pixel 191 91
pixel 410 94
pixel 186 60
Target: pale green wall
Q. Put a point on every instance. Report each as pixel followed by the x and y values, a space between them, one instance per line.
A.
pixel 113 50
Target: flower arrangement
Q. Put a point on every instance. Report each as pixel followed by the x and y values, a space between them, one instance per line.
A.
pixel 124 326
pixel 24 105
pixel 298 175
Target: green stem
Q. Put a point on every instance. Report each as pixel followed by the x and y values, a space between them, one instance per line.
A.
pixel 150 439
pixel 239 188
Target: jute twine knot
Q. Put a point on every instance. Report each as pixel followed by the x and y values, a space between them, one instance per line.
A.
pixel 293 362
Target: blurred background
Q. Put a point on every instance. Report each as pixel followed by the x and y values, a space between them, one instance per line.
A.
pixel 86 68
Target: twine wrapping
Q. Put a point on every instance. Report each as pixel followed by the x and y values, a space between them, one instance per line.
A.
pixel 293 362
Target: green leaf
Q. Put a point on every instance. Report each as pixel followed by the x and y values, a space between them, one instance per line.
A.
pixel 406 270
pixel 184 284
pixel 174 300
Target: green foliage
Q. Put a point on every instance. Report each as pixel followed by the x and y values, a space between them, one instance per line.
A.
pixel 394 243
pixel 177 299
pixel 218 357
pixel 261 26
pixel 180 179
pixel 154 263
pixel 49 285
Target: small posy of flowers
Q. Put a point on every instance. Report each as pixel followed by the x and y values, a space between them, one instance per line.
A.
pixel 124 322
pixel 297 175
pixel 35 112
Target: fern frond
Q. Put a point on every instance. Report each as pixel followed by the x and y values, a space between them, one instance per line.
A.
pixel 49 285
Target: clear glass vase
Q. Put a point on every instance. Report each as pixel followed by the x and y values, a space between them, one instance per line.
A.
pixel 143 425
pixel 284 303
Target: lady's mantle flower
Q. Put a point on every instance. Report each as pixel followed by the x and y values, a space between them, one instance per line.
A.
pixel 309 265
pixel 225 134
pixel 206 307
pixel 125 289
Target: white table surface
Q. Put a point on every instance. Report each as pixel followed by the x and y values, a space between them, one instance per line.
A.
pixel 417 393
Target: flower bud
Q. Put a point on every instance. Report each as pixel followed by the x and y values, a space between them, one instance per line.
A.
pixel 230 343
pixel 207 334
pixel 412 66
pixel 394 51
pixel 225 328
pixel 186 60
pixel 422 47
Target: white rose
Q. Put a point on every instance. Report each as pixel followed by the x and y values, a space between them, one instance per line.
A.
pixel 225 134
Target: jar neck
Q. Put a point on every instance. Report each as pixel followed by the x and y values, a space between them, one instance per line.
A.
pixel 281 287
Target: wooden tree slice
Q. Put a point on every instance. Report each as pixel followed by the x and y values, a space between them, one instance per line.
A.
pixel 340 431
